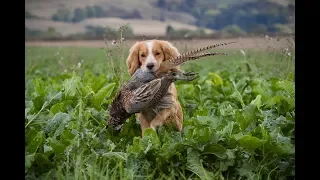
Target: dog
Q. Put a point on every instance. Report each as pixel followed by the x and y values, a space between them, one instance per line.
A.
pixel 148 55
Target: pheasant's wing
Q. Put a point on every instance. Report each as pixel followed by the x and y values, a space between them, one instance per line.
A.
pixel 164 103
pixel 142 96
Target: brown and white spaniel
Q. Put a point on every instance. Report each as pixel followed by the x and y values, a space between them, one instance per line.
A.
pixel 148 55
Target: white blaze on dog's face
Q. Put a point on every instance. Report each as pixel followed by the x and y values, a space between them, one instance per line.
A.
pixel 149 55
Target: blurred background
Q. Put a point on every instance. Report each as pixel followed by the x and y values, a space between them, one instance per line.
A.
pixel 162 19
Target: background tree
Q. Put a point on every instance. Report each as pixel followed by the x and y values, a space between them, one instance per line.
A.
pixel 79 15
pixel 90 12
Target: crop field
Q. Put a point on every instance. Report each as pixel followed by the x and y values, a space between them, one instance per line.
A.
pixel 239 117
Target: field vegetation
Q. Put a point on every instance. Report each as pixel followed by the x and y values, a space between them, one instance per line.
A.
pixel 239 118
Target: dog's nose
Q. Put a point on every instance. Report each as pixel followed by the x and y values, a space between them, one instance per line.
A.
pixel 150 65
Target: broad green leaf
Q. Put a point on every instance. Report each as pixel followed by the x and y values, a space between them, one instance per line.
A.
pixel 257 101
pixel 202 135
pixel 241 84
pixel 28 104
pixel 150 140
pixel 251 142
pixel 224 164
pixel 288 86
pixel 30 133
pixel 36 141
pixel 67 135
pixel 216 78
pixel 194 165
pixel 238 135
pixel 171 142
pixel 202 111
pixel 230 153
pixel 116 155
pixel 138 166
pixel 226 110
pixel 273 101
pixel 57 146
pixel 281 144
pixel 207 120
pixel 246 170
pixel 47 149
pixel 88 77
pixel 281 101
pixel 56 125
pixel 60 107
pixel 98 83
pixel 100 96
pixel 246 116
pixel 86 91
pixel 38 102
pixel 29 159
pixel 209 82
pixel 70 86
pixel 205 135
pixel 43 162
pixel 39 87
pixel 136 147
pixel 55 97
pixel 263 91
pixel 216 149
pixel 95 82
pixel 238 96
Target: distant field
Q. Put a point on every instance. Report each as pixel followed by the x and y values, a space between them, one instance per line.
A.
pixel 139 26
pixel 244 43
pixel 45 9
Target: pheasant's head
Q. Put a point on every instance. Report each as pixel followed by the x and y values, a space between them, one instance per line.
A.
pixel 185 76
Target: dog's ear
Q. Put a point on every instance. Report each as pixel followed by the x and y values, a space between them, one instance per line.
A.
pixel 133 62
pixel 169 51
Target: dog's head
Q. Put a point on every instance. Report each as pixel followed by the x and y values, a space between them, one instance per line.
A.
pixel 149 55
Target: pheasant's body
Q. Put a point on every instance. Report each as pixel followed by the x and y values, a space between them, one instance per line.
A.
pixel 118 113
pixel 143 90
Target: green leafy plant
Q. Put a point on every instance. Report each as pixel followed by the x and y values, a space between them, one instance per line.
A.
pixel 237 124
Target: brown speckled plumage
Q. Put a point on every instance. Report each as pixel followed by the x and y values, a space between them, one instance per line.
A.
pixel 134 98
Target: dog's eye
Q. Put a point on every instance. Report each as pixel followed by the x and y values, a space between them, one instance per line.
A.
pixel 157 53
pixel 142 55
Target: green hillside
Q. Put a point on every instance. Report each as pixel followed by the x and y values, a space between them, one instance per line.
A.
pixel 152 17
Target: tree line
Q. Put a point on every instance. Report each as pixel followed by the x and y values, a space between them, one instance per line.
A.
pixel 80 14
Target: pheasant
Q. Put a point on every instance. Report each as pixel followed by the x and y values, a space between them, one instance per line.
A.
pixel 145 89
pixel 138 94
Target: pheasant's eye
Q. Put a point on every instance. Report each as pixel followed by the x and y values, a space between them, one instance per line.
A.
pixel 142 55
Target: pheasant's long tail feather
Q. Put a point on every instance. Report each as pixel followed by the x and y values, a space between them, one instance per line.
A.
pixel 195 51
pixel 192 55
pixel 182 59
